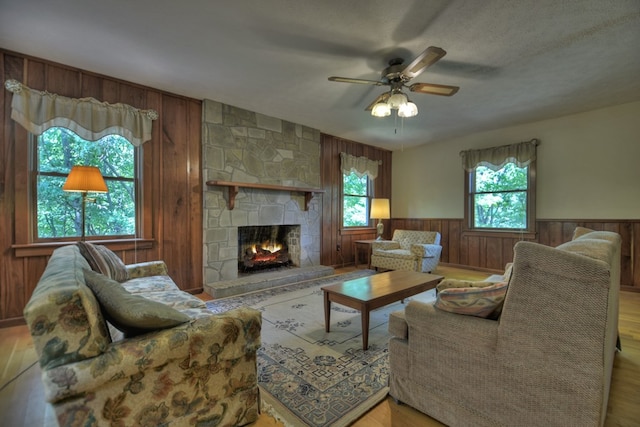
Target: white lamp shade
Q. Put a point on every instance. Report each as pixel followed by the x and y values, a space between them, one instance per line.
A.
pixel 85 179
pixel 408 110
pixel 397 100
pixel 380 209
pixel 381 109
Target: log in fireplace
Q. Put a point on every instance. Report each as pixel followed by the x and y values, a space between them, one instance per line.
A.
pixel 268 247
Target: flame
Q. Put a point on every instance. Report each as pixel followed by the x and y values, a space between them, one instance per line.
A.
pixel 267 246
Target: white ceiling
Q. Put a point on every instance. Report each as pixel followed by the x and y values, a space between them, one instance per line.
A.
pixel 515 61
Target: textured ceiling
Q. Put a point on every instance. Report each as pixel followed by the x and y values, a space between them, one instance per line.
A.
pixel 515 61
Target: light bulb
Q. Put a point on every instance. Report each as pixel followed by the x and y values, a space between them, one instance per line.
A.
pixel 381 109
pixel 397 100
pixel 408 110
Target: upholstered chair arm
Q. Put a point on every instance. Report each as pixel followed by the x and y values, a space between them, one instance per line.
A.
pixel 210 344
pixel 147 269
pixel 426 250
pixel 385 245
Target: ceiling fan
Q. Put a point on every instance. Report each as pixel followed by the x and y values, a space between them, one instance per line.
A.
pixel 397 75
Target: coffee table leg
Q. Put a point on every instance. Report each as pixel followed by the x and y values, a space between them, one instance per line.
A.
pixel 327 311
pixel 365 328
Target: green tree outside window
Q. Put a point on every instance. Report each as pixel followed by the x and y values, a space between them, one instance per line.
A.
pixel 500 197
pixel 58 212
pixel 355 209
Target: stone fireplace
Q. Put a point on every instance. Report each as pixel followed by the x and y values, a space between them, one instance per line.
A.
pixel 247 147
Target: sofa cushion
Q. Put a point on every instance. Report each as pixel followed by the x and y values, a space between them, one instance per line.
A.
pixel 473 301
pixel 104 261
pixel 131 313
pixel 148 284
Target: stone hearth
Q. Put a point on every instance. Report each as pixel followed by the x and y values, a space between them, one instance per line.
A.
pixel 257 282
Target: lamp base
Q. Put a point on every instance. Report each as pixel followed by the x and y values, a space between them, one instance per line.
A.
pixel 379 229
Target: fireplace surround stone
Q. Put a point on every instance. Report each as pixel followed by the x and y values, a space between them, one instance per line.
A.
pixel 244 146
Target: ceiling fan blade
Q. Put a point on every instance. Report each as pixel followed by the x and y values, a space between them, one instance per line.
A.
pixel 361 81
pixel 427 58
pixel 381 98
pixel 434 89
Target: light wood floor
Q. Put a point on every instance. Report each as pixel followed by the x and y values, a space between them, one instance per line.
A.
pixel 22 399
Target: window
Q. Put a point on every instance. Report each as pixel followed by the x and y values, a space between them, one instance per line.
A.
pixel 500 188
pixel 498 199
pixel 58 213
pixel 357 193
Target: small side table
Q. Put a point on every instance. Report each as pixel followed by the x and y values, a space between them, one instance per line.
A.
pixel 362 245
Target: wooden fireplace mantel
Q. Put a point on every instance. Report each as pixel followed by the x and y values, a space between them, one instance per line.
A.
pixel 235 186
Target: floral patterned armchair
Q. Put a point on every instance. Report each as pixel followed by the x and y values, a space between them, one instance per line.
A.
pixel 408 250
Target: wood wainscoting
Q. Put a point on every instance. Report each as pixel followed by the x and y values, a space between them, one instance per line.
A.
pixel 493 251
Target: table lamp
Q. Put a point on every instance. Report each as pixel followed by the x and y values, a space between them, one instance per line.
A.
pixel 84 179
pixel 380 211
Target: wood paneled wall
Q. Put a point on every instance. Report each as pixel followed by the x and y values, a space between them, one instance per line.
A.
pixel 172 181
pixel 331 176
pixel 492 252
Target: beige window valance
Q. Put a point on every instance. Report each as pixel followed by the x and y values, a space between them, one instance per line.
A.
pixel 359 165
pixel 494 158
pixel 91 119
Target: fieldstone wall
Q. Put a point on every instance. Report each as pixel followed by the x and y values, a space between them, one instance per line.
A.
pixel 243 146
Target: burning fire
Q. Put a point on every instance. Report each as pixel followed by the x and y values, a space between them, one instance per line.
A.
pixel 266 247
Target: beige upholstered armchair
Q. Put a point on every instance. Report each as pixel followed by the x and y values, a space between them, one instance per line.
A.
pixel 408 250
pixel 546 361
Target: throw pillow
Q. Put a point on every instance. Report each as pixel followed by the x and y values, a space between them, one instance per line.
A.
pixel 580 231
pixel 103 260
pixel 483 302
pixel 459 283
pixel 130 313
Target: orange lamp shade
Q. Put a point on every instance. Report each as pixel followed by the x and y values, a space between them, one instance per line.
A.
pixel 85 179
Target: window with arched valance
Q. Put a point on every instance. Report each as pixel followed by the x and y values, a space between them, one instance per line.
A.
pixel 500 188
pixel 65 133
pixel 358 174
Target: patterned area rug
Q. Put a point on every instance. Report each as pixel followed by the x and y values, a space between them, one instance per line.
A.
pixel 309 377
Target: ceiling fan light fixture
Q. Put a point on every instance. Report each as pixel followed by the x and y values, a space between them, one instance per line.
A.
pixel 381 109
pixel 408 110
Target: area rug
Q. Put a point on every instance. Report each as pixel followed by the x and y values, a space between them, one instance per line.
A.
pixel 309 377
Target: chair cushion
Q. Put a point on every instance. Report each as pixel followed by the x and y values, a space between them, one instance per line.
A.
pixel 396 253
pixel 130 313
pixel 473 301
pixel 104 261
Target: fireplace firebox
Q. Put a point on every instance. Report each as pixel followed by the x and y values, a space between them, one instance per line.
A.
pixel 268 247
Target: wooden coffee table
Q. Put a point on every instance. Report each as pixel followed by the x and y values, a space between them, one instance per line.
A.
pixel 371 292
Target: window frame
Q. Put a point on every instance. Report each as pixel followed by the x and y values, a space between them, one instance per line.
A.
pixel 468 224
pixel 34 173
pixel 369 196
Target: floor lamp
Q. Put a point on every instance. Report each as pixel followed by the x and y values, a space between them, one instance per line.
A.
pixel 380 211
pixel 84 179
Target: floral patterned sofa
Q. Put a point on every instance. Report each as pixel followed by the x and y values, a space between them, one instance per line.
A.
pixel 408 250
pixel 185 366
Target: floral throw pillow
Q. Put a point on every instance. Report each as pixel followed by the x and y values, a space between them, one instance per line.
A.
pixel 483 302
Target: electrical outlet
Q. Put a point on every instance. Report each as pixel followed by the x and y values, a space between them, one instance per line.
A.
pixel 338 247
